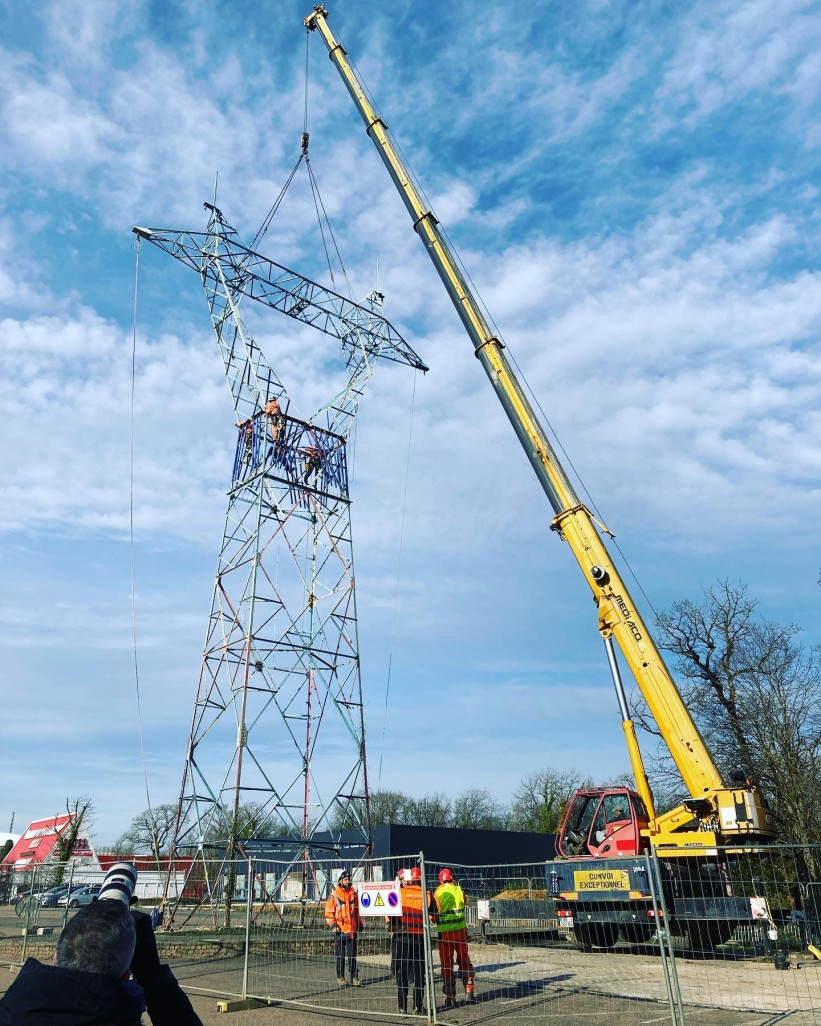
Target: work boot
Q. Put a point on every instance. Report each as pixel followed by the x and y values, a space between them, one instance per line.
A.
pixel 450 1002
pixel 403 1003
pixel 355 981
pixel 340 981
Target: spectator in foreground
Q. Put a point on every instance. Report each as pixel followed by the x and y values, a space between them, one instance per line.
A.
pixel 89 985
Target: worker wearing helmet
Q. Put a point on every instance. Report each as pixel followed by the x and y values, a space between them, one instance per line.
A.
pixel 410 940
pixel 276 418
pixel 342 915
pixel 453 937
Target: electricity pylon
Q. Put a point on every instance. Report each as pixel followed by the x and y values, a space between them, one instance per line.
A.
pixel 277 740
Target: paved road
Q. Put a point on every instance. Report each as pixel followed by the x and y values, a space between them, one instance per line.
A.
pixel 519 986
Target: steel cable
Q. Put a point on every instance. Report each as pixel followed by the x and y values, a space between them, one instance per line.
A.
pixel 131 525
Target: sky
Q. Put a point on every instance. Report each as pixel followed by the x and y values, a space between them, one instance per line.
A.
pixel 633 189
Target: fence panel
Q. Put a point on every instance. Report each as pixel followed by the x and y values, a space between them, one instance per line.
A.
pixel 531 964
pixel 295 957
pixel 746 930
pixel 39 901
pixel 731 938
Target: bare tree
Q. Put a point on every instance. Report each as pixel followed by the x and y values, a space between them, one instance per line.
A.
pixel 755 693
pixel 151 832
pixel 388 807
pixel 540 799
pixel 80 812
pixel 429 810
pixel 252 820
pixel 477 809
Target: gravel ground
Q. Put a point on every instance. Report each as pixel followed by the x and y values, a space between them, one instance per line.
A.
pixel 518 986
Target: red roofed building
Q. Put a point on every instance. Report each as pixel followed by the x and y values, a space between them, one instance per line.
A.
pixel 38 845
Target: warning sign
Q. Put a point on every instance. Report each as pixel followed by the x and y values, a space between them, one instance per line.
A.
pixel 380 899
pixel 601 880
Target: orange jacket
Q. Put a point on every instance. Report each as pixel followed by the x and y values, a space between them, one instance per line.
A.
pixel 413 909
pixel 342 910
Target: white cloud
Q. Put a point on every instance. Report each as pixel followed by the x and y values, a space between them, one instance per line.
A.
pixel 674 345
pixel 729 51
pixel 80 32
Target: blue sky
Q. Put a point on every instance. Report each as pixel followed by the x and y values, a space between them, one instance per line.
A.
pixel 632 186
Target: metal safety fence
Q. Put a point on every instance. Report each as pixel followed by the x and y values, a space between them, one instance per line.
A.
pixel 36 903
pixel 518 958
pixel 730 937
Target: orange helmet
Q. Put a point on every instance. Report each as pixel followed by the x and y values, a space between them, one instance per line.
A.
pixel 415 874
pixel 445 876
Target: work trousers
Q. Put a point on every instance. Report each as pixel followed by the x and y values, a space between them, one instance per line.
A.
pixel 410 963
pixel 345 946
pixel 453 946
pixel 393 954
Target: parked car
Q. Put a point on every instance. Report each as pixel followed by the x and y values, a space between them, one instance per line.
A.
pixel 50 898
pixel 24 894
pixel 84 896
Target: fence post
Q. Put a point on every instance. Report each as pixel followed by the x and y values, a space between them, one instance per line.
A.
pixel 32 905
pixel 248 909
pixel 428 940
pixel 68 892
pixel 668 959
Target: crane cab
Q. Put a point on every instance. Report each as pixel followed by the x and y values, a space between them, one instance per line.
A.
pixel 602 823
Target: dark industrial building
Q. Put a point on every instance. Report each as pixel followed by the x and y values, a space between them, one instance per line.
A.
pixel 486 860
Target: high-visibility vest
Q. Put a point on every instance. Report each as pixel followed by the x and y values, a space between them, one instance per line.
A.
pixel 450 901
pixel 342 910
pixel 414 910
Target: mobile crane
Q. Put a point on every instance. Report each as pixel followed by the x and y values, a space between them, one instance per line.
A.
pixel 610 823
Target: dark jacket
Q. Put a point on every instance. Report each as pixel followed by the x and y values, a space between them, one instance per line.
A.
pixel 47 995
pixel 167 1002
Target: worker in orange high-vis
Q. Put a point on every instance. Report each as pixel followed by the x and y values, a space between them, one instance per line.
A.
pixel 410 940
pixel 453 938
pixel 276 418
pixel 342 915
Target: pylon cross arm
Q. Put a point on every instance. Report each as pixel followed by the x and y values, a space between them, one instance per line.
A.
pixel 249 273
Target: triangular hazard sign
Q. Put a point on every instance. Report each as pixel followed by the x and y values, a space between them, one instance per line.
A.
pixel 379 901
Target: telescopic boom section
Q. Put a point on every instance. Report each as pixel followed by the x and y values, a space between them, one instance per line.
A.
pixel 618 616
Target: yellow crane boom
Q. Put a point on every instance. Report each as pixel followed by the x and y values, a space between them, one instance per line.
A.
pixel 718 810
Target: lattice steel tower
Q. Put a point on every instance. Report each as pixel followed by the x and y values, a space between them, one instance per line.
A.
pixel 278 719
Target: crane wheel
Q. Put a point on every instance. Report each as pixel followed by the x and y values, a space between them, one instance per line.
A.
pixel 595 935
pixel 706 934
pixel 636 933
